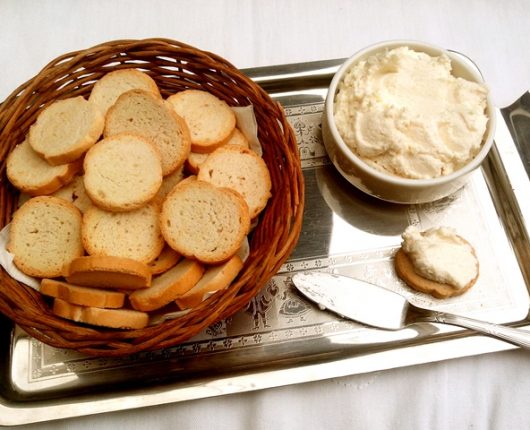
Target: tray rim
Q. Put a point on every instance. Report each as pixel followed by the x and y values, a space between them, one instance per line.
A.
pixel 470 345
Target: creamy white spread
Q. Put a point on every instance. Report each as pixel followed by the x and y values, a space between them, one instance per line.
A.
pixel 404 113
pixel 440 255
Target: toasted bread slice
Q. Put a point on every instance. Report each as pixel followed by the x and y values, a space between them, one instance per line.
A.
pixel 145 114
pixel 204 222
pixel 134 234
pixel 110 272
pixel 241 170
pixel 168 286
pixel 209 119
pixel 165 260
pixel 106 90
pixel 168 183
pixel 113 318
pixel 195 159
pixel 214 279
pixel 83 296
pixel 65 130
pixel 31 174
pixel 45 235
pixel 75 193
pixel 122 172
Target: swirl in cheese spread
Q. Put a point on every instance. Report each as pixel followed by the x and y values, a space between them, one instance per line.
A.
pixel 440 255
pixel 404 113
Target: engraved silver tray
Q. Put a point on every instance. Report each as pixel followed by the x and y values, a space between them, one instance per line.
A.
pixel 282 339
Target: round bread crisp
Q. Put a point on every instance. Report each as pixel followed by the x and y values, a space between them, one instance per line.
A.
pixel 122 172
pixel 210 120
pixel 65 130
pixel 30 173
pixel 75 193
pixel 140 112
pixel 108 271
pixel 168 286
pixel 165 260
pixel 240 169
pixel 114 318
pixel 405 270
pixel 45 235
pixel 83 296
pixel 168 183
pixel 214 279
pixel 195 159
pixel 204 222
pixel 106 90
pixel 134 234
pixel 238 138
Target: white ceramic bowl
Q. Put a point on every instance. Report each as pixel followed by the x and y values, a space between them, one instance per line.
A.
pixel 386 186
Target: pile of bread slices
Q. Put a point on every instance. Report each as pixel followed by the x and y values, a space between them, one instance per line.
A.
pixel 137 203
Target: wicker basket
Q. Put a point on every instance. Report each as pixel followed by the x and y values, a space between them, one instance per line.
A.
pixel 174 66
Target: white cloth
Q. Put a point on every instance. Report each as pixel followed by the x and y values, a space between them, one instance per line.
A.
pixel 482 392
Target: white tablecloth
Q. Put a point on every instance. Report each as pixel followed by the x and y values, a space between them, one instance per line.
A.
pixel 482 392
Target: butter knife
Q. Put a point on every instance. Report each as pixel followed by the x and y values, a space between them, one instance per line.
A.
pixel 378 307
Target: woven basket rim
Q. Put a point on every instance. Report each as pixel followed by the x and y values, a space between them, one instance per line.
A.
pixel 183 66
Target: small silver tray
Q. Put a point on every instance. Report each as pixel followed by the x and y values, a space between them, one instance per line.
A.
pixel 282 339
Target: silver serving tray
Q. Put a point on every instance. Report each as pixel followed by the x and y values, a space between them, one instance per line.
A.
pixel 282 339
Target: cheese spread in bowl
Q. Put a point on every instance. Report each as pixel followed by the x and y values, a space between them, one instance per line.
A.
pixel 407 122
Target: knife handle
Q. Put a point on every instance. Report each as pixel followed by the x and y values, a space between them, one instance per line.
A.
pixel 511 335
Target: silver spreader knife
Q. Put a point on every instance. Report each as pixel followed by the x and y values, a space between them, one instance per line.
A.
pixel 378 307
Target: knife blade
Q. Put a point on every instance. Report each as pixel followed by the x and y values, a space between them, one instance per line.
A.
pixel 354 299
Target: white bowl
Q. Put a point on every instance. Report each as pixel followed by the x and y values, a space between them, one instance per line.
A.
pixel 390 187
